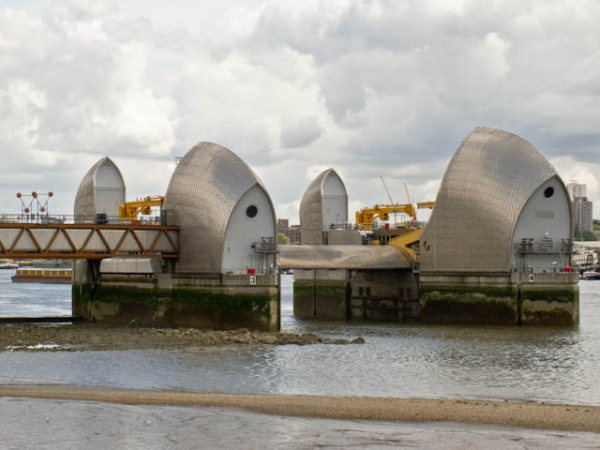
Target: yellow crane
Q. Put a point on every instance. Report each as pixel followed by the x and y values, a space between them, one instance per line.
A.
pixel 366 216
pixel 425 205
pixel 130 210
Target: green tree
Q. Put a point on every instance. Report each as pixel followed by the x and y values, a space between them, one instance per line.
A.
pixel 282 239
pixel 585 236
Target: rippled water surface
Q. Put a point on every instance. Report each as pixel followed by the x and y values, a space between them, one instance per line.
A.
pixel 398 360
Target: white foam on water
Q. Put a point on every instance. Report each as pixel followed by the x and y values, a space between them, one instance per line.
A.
pixel 35 347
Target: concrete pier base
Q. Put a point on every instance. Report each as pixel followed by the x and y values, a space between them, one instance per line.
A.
pixel 550 299
pixel 386 294
pixel 321 293
pixel 198 301
pixel 503 299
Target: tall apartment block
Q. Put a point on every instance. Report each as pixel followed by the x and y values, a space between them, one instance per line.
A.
pixel 582 208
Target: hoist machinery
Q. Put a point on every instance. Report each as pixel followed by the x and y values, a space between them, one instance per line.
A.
pixel 366 216
pixel 130 210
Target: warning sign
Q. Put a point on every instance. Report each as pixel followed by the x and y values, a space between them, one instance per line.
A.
pixel 253 280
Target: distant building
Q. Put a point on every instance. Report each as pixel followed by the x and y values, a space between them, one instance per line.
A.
pixel 293 232
pixel 582 208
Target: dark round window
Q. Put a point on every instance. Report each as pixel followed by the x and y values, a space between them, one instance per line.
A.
pixel 549 192
pixel 251 211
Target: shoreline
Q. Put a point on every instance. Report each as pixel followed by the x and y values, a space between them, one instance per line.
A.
pixel 477 412
pixel 91 337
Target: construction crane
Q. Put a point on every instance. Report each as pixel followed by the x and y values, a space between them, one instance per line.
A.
pixel 366 216
pixel 130 210
pixel 425 205
pixel 387 190
pixel 407 194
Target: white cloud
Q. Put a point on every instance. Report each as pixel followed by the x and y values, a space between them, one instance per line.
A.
pixel 370 88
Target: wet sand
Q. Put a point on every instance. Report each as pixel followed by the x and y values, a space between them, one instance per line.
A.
pixel 33 337
pixel 498 413
pixel 73 425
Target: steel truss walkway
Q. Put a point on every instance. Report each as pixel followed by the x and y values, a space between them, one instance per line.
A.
pixel 87 241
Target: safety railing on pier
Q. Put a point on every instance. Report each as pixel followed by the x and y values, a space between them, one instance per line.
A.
pixel 374 226
pixel 544 246
pixel 98 219
pixel 27 236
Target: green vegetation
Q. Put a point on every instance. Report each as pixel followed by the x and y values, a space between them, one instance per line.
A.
pixel 596 225
pixel 585 236
pixel 282 239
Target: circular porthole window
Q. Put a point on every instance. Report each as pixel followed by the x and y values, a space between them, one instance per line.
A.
pixel 549 192
pixel 251 211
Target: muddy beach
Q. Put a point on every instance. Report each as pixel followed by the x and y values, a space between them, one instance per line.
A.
pixel 80 337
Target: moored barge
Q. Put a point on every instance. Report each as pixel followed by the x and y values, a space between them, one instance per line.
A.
pixel 42 276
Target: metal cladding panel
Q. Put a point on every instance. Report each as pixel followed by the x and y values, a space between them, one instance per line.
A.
pixel 486 185
pixel 357 257
pixel 85 201
pixel 311 210
pixel 203 191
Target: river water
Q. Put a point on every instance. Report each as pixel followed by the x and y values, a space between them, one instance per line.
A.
pixel 541 364
pixel 399 360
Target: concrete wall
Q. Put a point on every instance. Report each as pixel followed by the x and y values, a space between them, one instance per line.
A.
pixel 345 294
pixel 321 293
pixel 472 299
pixel 180 301
pixel 543 217
pixel 549 299
pixel 110 190
pixel 243 231
pixel 335 201
pixel 384 295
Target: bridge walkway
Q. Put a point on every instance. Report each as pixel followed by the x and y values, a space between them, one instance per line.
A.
pixel 92 241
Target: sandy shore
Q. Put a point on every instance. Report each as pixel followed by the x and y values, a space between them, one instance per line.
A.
pixel 98 337
pixel 511 414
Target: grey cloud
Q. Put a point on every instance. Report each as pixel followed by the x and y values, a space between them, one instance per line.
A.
pixel 367 86
pixel 302 133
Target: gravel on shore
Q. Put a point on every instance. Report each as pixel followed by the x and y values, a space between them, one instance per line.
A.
pixel 32 337
pixel 499 413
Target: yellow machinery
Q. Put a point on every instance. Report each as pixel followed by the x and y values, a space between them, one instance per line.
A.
pixel 425 205
pixel 130 210
pixel 366 216
pixel 408 241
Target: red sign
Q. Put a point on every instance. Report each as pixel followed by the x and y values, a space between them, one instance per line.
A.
pixel 251 271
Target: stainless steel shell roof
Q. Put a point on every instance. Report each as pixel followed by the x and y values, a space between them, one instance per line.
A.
pixel 203 191
pixel 311 210
pixel 85 200
pixel 342 257
pixel 486 185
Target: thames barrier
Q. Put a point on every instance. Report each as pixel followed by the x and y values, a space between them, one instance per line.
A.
pixel 497 248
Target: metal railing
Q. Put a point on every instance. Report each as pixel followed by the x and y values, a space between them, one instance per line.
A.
pixel 544 246
pixel 374 226
pixel 97 219
pixel 265 246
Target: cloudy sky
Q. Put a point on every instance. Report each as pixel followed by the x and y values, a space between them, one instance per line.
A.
pixel 369 87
